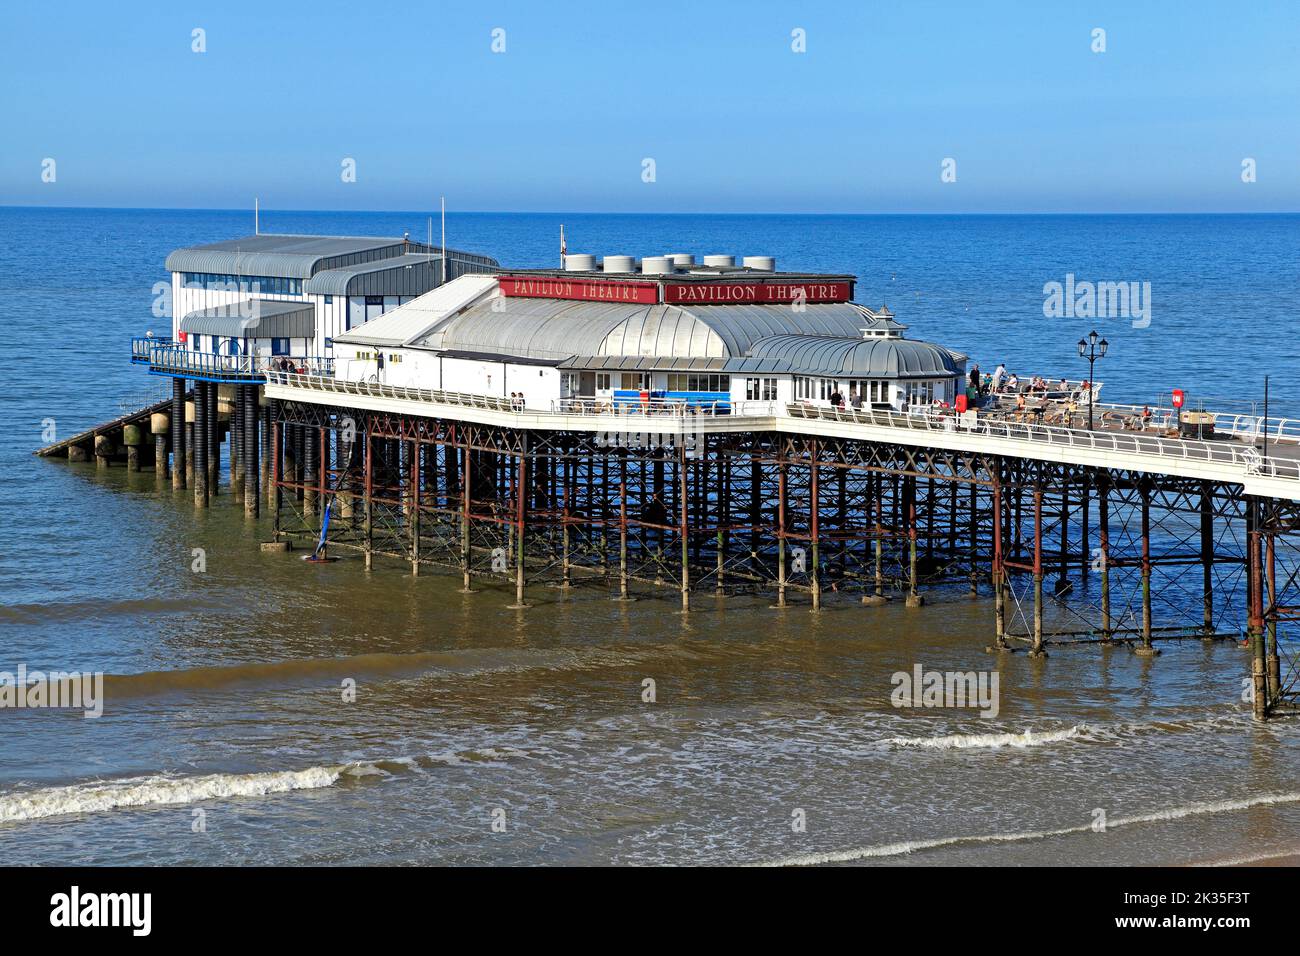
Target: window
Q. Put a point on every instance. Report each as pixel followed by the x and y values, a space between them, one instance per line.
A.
pixel 216 344
pixel 698 382
pixel 329 300
pixel 374 306
pixel 760 389
pixel 634 380
pixel 225 282
pixel 329 345
pixel 394 356
pixel 279 346
pixel 602 381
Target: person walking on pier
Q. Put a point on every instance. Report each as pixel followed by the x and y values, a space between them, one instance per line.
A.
pixel 837 399
pixel 999 376
pixel 855 399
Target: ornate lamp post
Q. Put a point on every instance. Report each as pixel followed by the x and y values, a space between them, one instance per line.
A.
pixel 1092 349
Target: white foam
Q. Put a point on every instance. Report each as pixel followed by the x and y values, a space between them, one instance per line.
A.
pixel 162 790
pixel 158 791
pixel 911 846
pixel 965 741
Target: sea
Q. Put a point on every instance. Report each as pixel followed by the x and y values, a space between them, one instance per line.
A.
pixel 258 710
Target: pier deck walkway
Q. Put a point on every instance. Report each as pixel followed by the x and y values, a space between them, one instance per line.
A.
pixel 1230 458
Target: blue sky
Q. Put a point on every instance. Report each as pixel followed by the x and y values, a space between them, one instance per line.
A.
pixel 734 120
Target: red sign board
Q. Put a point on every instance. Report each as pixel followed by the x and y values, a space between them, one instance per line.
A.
pixel 741 293
pixel 1178 398
pixel 587 290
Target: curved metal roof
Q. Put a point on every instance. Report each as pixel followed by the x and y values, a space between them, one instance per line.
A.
pixel 849 357
pixel 258 318
pixel 559 329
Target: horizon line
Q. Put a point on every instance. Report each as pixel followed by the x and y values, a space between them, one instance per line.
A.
pixel 635 212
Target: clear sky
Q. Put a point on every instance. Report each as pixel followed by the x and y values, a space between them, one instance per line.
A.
pixel 734 119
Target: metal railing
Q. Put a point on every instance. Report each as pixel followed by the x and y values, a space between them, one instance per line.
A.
pixel 141 344
pixel 932 419
pixel 182 361
pixel 1133 443
pixel 327 383
pixel 663 407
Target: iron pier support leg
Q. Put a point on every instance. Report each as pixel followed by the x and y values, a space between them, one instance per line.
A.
pixel 200 463
pixel 416 476
pixel 1270 617
pixel 367 502
pixel 273 480
pixel 1037 649
pixel 264 415
pixel 684 483
pixel 1146 649
pixel 622 533
pixel 1255 611
pixel 178 434
pixel 999 565
pixel 1103 557
pixel 521 509
pixel 780 528
pixel 466 483
pixel 309 467
pixel 914 598
pixel 814 524
pixel 237 443
pixel 251 418
pixel 213 431
pixel 1207 559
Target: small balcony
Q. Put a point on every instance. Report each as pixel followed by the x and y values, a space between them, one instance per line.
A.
pixel 141 344
pixel 176 361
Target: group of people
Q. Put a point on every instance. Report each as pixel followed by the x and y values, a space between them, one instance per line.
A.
pixel 1000 380
pixel 517 403
pixel 854 399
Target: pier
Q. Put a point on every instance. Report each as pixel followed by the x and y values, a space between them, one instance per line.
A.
pixel 1176 539
pixel 682 429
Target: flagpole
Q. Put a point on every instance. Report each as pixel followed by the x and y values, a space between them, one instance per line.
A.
pixel 444 240
pixel 562 246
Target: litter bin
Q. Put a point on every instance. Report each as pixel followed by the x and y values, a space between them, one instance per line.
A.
pixel 960 404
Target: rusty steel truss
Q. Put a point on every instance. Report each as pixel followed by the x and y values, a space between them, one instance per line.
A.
pixel 1070 554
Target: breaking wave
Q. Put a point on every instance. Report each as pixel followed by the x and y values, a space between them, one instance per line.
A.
pixel 164 790
pixel 913 846
pixel 967 741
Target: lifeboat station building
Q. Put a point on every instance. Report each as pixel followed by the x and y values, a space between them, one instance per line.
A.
pixel 264 296
pixel 662 331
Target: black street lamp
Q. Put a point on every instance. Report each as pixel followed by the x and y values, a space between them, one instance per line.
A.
pixel 1091 349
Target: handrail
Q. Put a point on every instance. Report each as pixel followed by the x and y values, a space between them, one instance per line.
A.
pixel 1188 449
pixel 934 419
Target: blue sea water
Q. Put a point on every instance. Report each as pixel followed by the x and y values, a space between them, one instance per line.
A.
pixel 231 677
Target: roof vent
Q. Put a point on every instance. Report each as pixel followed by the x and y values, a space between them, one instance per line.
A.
pixel 682 259
pixel 657 265
pixel 579 262
pixel 761 263
pixel 618 264
pixel 720 262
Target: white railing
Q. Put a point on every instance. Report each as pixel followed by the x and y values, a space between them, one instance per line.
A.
pixel 324 383
pixel 1227 452
pixel 663 407
pixel 933 419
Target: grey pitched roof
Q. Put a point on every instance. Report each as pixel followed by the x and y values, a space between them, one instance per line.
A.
pixel 256 318
pixel 295 257
pixel 848 357
pixel 411 274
